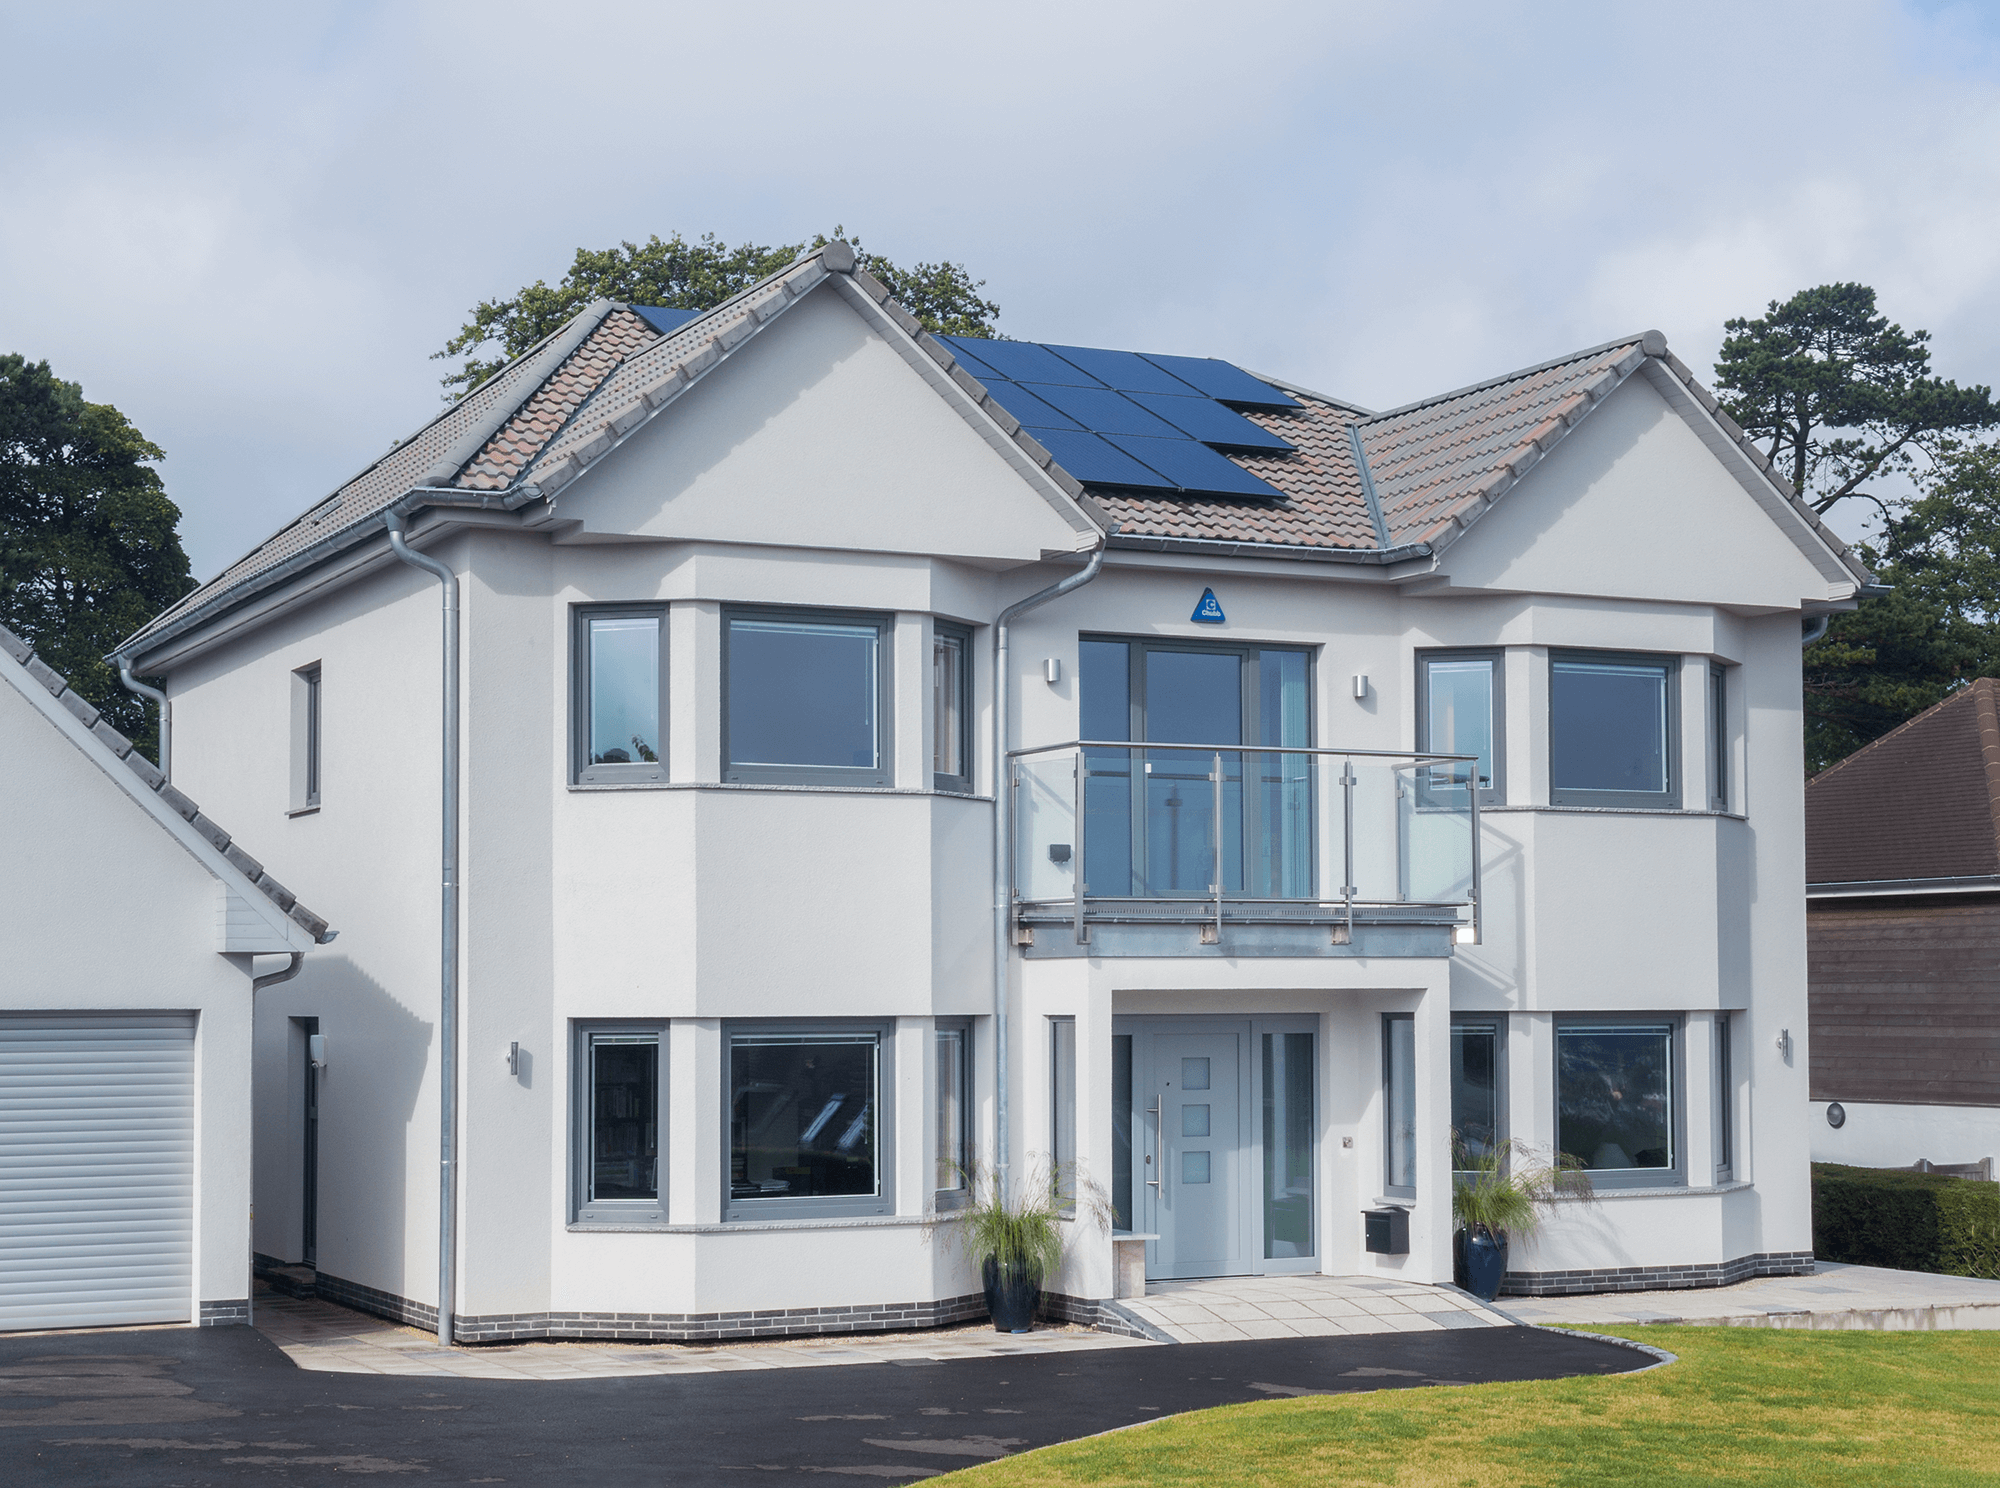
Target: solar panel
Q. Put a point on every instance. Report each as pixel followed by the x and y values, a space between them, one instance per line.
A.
pixel 1104 412
pixel 1221 380
pixel 1029 409
pixel 1020 361
pixel 968 360
pixel 1190 466
pixel 663 318
pixel 1126 371
pixel 1097 463
pixel 1211 423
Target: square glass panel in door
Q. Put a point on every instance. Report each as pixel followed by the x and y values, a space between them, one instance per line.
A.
pixel 1194 1121
pixel 1288 1145
pixel 1194 1074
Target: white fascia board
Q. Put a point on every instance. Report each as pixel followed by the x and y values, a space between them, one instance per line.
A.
pixel 284 933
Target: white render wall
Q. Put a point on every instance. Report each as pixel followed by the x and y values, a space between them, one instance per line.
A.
pixel 1878 1134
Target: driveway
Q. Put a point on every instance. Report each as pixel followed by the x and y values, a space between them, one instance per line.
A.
pixel 190 1407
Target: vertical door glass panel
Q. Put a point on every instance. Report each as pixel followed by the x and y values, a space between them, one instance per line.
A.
pixel 1608 726
pixel 951 1110
pixel 948 702
pixel 1121 1130
pixel 1105 706
pixel 624 689
pixel 624 1116
pixel 1475 1091
pixel 1062 1116
pixel 1458 719
pixel 803 693
pixel 1192 697
pixel 1279 827
pixel 1399 1104
pixel 1614 1096
pixel 1288 1144
pixel 803 1115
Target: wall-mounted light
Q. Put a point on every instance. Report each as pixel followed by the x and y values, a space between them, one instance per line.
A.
pixel 316 1050
pixel 1052 670
pixel 1360 686
pixel 1785 1044
pixel 514 1059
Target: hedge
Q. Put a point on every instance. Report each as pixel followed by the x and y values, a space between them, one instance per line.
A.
pixel 1906 1220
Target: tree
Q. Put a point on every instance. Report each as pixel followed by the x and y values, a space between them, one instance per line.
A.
pixel 1939 627
pixel 88 547
pixel 682 275
pixel 1840 397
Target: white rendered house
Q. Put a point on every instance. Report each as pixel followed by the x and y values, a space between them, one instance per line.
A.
pixel 1369 776
pixel 129 940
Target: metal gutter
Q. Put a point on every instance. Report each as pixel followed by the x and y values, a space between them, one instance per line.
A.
pixel 1219 548
pixel 1861 888
pixel 133 684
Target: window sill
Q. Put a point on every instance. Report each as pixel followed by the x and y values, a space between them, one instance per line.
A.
pixel 1676 1191
pixel 303 811
pixel 733 1227
pixel 760 786
pixel 1613 811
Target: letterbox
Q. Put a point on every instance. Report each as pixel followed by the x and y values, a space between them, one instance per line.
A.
pixel 1387 1231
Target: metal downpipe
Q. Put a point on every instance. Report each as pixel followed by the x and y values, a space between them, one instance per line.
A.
pixel 448 933
pixel 1003 814
pixel 133 684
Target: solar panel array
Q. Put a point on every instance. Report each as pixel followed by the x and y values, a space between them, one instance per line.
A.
pixel 664 320
pixel 1119 418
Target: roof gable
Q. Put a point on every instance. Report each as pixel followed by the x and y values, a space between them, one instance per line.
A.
pixel 1921 802
pixel 256 897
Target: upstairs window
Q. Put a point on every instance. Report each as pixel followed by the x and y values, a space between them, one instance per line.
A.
pixel 1718 738
pixel 305 739
pixel 1613 729
pixel 1459 710
pixel 951 704
pixel 621 692
pixel 807 698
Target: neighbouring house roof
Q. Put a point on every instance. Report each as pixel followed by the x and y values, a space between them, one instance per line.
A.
pixel 1356 486
pixel 1920 804
pixel 137 774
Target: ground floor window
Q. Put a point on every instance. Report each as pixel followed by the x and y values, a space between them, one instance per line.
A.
pixel 1725 1102
pixel 954 1115
pixel 1475 1090
pixel 1399 1105
pixel 808 1128
pixel 1616 1110
pixel 1288 1145
pixel 619 1129
pixel 1121 1130
pixel 1062 1111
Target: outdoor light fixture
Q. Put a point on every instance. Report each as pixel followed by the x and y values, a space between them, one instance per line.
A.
pixel 514 1059
pixel 1836 1115
pixel 1360 686
pixel 1052 670
pixel 1785 1044
pixel 316 1050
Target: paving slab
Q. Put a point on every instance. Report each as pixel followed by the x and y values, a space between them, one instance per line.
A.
pixel 1323 1306
pixel 1834 1296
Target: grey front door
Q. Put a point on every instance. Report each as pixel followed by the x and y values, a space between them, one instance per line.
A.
pixel 1196 1182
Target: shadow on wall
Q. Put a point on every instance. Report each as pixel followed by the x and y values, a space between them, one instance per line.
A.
pixel 1496 975
pixel 377 1052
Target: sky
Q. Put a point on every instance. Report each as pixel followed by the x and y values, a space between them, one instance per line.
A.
pixel 249 226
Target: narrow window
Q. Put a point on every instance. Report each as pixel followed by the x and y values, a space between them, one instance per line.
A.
pixel 954 1116
pixel 305 739
pixel 1475 1091
pixel 1718 738
pixel 1399 1105
pixel 1121 1130
pixel 1615 1102
pixel 1459 711
pixel 1062 1113
pixel 1725 1103
pixel 1288 1145
pixel 807 1130
pixel 951 704
pixel 1612 725
pixel 620 1125
pixel 807 699
pixel 621 687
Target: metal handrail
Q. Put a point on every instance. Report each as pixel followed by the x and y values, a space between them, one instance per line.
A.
pixel 1418 755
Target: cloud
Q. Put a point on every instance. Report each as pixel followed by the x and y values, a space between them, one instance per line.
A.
pixel 249 227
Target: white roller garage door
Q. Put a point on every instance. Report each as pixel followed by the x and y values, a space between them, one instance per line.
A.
pixel 96 1169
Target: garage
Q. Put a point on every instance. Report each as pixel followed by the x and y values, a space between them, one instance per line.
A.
pixel 97 1169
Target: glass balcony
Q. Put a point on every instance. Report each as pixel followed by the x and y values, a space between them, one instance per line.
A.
pixel 1164 834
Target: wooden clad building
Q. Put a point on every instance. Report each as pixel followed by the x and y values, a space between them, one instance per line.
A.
pixel 1903 930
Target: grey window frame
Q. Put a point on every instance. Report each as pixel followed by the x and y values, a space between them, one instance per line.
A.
pixel 1063 1060
pixel 1718 736
pixel 1674 1176
pixel 1666 800
pixel 883 1200
pixel 583 1208
pixel 962 783
pixel 1497 1022
pixel 582 771
pixel 883 774
pixel 1725 1099
pixel 948 1199
pixel 1494 794
pixel 308 739
pixel 1396 1190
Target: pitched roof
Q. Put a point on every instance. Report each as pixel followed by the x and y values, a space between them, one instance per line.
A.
pixel 1921 802
pixel 114 749
pixel 1358 486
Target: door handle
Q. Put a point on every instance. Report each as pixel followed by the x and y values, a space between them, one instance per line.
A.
pixel 1159 1166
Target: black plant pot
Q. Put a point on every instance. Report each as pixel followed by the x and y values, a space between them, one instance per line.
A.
pixel 1485 1264
pixel 1011 1296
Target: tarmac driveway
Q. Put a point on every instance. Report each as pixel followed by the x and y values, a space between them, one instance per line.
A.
pixel 190 1407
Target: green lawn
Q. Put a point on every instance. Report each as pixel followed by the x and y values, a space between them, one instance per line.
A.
pixel 1743 1405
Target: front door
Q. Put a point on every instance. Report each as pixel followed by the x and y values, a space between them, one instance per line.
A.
pixel 1196 1178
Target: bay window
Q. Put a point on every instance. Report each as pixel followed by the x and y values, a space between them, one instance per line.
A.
pixel 1613 729
pixel 806 698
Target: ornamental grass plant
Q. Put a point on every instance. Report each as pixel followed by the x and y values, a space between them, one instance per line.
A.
pixel 1508 1189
